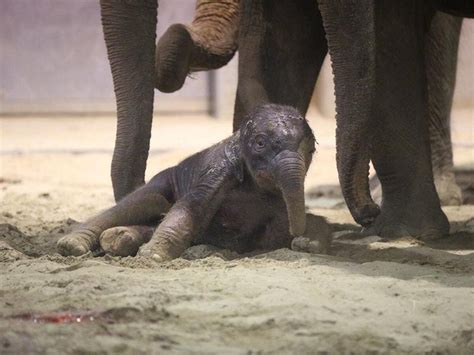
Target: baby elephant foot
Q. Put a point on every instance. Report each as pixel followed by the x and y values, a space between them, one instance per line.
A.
pixel 317 237
pixel 308 245
pixel 78 243
pixel 152 250
pixel 156 250
pixel 124 241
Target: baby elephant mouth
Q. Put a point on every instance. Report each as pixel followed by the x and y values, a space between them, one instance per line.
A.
pixel 265 180
pixel 288 172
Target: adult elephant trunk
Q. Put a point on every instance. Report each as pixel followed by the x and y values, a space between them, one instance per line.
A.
pixel 349 27
pixel 208 43
pixel 129 30
pixel 289 172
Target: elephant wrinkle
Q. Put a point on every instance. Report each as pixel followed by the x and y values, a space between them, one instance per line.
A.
pixel 282 46
pixel 244 193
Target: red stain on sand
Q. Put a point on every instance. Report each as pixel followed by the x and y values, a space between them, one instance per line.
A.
pixel 59 317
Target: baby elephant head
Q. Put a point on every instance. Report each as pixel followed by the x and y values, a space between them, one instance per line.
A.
pixel 277 147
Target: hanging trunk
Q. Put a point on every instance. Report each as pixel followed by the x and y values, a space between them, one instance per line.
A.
pixel 209 42
pixel 349 27
pixel 129 30
pixel 289 172
pixel 214 31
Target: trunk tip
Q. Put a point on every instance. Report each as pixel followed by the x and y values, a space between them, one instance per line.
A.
pixel 366 215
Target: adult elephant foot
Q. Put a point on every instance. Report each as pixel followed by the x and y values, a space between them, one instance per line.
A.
pixel 416 219
pixel 448 190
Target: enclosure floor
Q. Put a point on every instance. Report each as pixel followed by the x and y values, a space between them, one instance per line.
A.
pixel 399 296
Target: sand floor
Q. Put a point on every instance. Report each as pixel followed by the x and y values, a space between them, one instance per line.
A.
pixel 369 295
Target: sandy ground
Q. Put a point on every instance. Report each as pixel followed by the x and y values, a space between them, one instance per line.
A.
pixel 369 295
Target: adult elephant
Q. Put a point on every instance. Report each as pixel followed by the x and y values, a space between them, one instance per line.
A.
pixel 130 32
pixel 380 112
pixel 377 50
pixel 440 52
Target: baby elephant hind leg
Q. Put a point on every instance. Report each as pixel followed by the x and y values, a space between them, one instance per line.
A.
pixel 125 240
pixel 78 242
pixel 142 207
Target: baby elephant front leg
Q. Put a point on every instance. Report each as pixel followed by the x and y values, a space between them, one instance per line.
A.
pixel 173 236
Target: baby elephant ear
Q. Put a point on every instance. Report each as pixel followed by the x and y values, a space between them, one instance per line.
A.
pixel 232 153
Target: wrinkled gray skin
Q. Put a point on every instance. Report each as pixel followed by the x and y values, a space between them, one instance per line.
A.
pixel 441 49
pixel 378 53
pixel 440 53
pixel 209 42
pixel 380 96
pixel 244 193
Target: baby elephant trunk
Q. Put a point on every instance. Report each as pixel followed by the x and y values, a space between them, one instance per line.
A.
pixel 289 171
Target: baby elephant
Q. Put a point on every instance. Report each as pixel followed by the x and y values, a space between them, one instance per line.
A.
pixel 244 193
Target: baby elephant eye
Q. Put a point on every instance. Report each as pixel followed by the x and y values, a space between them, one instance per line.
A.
pixel 259 143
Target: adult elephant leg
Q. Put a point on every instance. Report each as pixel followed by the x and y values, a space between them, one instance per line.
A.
pixel 400 145
pixel 441 48
pixel 129 30
pixel 208 43
pixel 281 49
pixel 349 29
